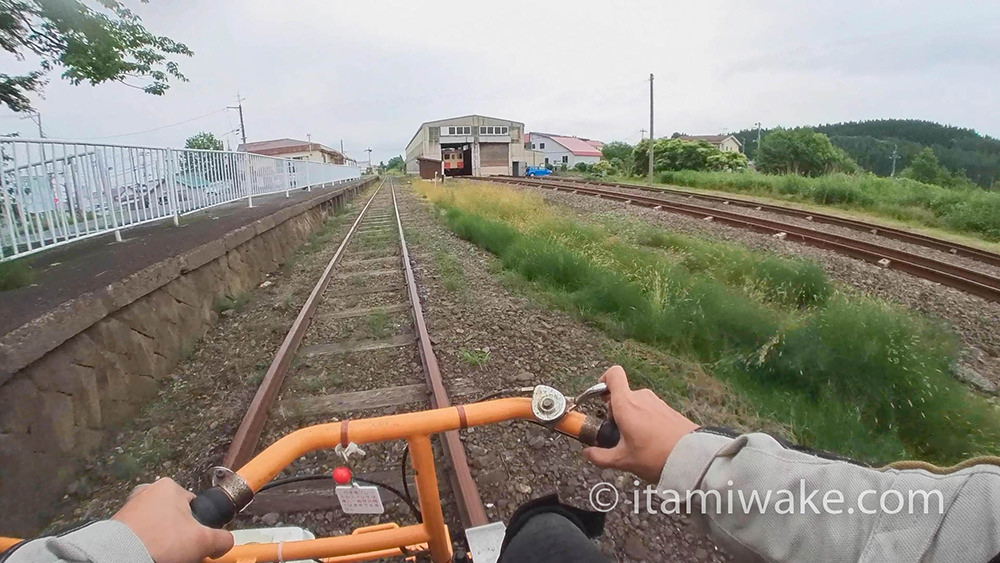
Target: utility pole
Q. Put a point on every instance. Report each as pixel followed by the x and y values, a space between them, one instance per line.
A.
pixel 243 129
pixel 247 175
pixel 37 118
pixel 757 151
pixel 369 150
pixel 895 157
pixel 651 136
pixel 642 133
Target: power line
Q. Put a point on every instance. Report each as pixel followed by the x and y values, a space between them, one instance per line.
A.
pixel 157 128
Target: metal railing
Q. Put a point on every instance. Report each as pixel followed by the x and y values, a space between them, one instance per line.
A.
pixel 56 192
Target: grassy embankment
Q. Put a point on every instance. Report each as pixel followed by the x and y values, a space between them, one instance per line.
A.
pixel 972 212
pixel 846 374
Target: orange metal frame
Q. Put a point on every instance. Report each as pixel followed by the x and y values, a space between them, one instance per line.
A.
pixel 383 540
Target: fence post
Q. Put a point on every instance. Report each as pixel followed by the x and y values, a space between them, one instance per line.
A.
pixel 105 179
pixel 288 179
pixel 172 198
pixel 309 187
pixel 247 179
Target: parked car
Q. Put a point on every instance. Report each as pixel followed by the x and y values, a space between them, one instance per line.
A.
pixel 534 171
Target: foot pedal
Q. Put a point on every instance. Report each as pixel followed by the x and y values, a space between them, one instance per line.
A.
pixel 485 541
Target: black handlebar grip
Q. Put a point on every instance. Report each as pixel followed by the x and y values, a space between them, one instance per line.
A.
pixel 608 435
pixel 213 508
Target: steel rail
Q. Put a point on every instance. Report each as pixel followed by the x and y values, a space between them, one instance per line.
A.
pixel 470 504
pixel 248 434
pixel 964 279
pixel 943 245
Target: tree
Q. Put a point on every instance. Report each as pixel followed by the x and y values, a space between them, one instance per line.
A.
pixel 727 161
pixel 92 45
pixel 396 162
pixel 801 151
pixel 678 154
pixel 619 154
pixel 925 168
pixel 205 141
pixel 871 143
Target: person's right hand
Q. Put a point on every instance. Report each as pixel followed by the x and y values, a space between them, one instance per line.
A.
pixel 160 516
pixel 649 429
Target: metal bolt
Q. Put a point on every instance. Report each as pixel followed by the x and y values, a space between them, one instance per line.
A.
pixel 548 404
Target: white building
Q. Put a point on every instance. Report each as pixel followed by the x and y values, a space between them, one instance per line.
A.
pixel 488 146
pixel 725 143
pixel 563 149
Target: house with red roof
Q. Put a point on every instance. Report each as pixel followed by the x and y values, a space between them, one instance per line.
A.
pixel 565 150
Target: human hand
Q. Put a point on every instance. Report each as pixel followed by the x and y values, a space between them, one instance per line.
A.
pixel 649 429
pixel 160 515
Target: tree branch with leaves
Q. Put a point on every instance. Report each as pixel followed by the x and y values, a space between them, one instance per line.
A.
pixel 91 44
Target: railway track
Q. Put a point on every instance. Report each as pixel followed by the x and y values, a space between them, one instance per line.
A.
pixel 902 235
pixel 367 289
pixel 958 277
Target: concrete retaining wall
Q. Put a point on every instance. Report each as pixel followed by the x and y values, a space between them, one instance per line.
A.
pixel 81 370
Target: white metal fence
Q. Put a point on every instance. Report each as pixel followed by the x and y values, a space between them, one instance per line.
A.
pixel 56 192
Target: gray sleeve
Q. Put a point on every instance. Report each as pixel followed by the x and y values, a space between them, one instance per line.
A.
pixel 820 509
pixel 108 541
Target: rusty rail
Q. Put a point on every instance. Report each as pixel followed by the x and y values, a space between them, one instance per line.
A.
pixel 248 435
pixel 241 449
pixel 469 502
pixel 944 273
pixel 903 235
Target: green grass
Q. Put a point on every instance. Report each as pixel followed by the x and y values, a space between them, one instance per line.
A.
pixel 231 302
pixel 15 274
pixel 967 211
pixel 843 373
pixel 450 270
pixel 378 323
pixel 475 357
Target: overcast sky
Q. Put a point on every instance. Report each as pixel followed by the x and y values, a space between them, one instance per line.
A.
pixel 369 73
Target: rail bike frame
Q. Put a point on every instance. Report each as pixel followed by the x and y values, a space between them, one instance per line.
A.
pixel 384 540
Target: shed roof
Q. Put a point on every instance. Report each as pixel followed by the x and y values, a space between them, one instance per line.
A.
pixel 275 147
pixel 715 139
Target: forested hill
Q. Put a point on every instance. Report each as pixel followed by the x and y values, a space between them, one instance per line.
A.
pixel 870 143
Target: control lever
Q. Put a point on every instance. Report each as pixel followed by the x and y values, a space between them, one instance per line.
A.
pixel 595 390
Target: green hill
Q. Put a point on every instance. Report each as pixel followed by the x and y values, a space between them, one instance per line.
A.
pixel 871 144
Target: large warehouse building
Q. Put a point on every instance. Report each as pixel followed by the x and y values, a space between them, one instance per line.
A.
pixel 472 145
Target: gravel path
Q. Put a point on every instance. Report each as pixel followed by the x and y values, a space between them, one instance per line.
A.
pixel 974 319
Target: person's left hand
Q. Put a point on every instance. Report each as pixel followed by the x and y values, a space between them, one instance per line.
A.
pixel 159 514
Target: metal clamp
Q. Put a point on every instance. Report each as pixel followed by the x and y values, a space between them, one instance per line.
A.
pixel 548 404
pixel 233 485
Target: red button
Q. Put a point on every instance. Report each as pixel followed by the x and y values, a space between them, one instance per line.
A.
pixel 342 475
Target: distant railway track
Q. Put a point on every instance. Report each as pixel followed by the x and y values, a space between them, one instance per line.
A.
pixel 378 286
pixel 958 277
pixel 902 235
